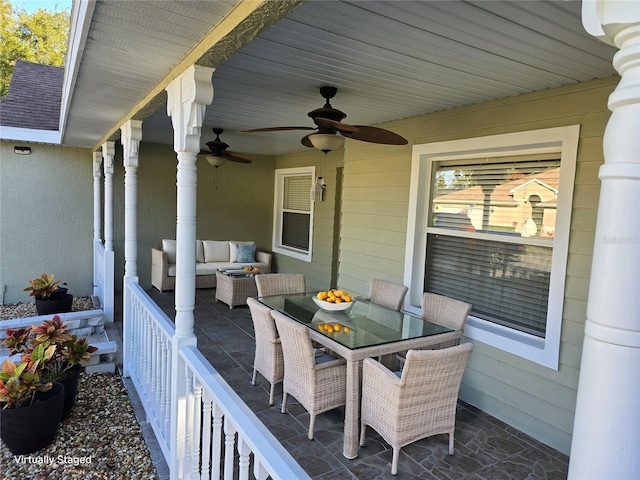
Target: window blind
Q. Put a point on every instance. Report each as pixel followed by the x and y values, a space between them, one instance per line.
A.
pixel 505 271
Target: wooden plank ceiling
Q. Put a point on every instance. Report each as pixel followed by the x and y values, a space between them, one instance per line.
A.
pixel 389 60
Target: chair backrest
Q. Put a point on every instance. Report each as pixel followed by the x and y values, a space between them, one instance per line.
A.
pixel 299 357
pixel 263 324
pixel 445 311
pixel 387 294
pixel 280 284
pixel 437 374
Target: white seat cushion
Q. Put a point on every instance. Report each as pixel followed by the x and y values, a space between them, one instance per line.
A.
pixel 205 269
pixel 216 251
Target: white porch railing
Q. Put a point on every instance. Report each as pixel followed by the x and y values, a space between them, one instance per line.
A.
pixel 103 278
pixel 215 421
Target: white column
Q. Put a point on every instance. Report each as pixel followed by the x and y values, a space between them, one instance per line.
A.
pixel 606 435
pixel 108 153
pixel 97 196
pixel 131 134
pixel 188 96
pixel 97 218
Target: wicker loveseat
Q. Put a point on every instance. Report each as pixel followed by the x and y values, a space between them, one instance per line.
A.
pixel 211 256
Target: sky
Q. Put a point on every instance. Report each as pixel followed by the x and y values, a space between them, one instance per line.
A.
pixel 32 5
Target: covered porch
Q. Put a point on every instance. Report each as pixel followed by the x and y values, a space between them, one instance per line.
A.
pixel 543 90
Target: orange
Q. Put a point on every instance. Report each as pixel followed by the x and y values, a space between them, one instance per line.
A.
pixel 337 327
pixel 346 297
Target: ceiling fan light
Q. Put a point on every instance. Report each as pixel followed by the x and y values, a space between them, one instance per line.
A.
pixel 326 142
pixel 215 161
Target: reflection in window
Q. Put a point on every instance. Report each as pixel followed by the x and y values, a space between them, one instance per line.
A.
pixel 490 237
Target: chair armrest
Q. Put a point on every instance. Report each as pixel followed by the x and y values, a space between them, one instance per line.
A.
pixel 377 374
pixel 330 364
pixel 159 261
pixel 264 257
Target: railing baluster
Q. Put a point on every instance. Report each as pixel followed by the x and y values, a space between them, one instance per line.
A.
pixel 148 355
pixel 244 460
pixel 207 401
pixel 229 444
pixel 216 448
pixel 196 438
pixel 188 421
pixel 162 387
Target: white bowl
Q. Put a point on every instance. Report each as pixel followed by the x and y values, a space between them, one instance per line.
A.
pixel 332 307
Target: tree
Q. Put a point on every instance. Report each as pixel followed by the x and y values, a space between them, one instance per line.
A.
pixel 39 37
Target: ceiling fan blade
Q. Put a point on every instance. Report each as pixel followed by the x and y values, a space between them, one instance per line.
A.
pixel 276 129
pixel 306 142
pixel 237 157
pixel 376 135
pixel 339 126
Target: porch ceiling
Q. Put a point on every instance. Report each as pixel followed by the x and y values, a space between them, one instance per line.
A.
pixel 389 60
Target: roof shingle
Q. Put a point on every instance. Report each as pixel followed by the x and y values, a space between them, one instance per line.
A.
pixel 34 96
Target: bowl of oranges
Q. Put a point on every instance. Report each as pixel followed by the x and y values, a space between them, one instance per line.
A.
pixel 333 300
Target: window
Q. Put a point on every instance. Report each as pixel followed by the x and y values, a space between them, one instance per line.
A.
pixel 489 224
pixel 293 212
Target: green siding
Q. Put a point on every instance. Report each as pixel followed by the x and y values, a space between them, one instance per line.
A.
pixel 535 399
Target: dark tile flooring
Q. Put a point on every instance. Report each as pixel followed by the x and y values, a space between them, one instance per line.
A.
pixel 485 448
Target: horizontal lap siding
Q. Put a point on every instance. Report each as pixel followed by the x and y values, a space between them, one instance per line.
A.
pixel 375 201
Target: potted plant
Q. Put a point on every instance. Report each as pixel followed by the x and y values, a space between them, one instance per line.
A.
pixel 30 409
pixel 65 354
pixel 49 296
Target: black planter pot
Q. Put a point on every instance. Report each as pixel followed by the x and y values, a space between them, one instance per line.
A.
pixel 60 304
pixel 28 429
pixel 70 389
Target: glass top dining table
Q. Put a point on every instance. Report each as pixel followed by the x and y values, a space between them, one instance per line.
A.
pixel 363 330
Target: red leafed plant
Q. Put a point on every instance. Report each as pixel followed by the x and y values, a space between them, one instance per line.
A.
pixel 61 350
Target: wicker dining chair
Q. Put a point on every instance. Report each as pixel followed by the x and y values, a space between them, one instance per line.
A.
pixel 268 359
pixel 387 294
pixel 319 383
pixel 445 311
pixel 280 284
pixel 418 404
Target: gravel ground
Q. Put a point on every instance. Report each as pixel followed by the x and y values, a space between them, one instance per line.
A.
pixel 100 439
pixel 10 311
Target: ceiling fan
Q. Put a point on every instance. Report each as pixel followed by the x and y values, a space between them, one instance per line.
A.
pixel 329 123
pixel 218 153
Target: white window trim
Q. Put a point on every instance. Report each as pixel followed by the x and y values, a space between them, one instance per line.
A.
pixel 277 247
pixel 560 140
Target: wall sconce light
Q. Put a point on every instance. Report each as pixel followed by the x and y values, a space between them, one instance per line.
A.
pixel 325 142
pixel 22 150
pixel 317 189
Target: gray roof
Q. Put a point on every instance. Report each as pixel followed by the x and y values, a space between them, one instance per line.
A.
pixel 33 100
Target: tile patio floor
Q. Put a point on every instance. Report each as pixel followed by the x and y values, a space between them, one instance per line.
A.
pixel 485 448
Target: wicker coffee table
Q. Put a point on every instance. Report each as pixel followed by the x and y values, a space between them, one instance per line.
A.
pixel 234 289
